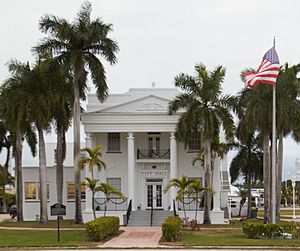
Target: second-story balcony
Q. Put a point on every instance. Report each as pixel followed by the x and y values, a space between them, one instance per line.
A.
pixel 147 154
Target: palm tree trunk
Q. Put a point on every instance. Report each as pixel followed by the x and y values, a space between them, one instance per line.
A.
pixel 249 195
pixel 207 174
pixel 77 176
pixel 105 206
pixel 184 212
pixel 93 205
pixel 43 177
pixel 266 160
pixel 196 207
pixel 279 176
pixel 59 165
pixel 19 179
pixel 6 168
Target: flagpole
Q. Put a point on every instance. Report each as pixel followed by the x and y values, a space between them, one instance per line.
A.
pixel 274 143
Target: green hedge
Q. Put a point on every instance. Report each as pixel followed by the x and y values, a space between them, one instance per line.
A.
pixel 260 230
pixel 171 228
pixel 103 227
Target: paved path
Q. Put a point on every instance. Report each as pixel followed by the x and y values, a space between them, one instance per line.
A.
pixel 135 237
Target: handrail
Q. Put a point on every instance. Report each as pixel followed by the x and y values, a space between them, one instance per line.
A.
pixel 153 154
pixel 129 209
pixel 151 217
pixel 174 208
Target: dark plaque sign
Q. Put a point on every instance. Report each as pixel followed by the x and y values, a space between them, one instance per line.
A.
pixel 58 209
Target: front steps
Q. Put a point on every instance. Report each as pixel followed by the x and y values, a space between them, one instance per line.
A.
pixel 143 218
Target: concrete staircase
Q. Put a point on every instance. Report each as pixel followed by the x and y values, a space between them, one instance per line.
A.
pixel 143 218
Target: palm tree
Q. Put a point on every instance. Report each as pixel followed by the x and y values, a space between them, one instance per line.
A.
pixel 182 186
pixel 288 116
pixel 195 188
pixel 108 191
pixel 258 116
pixel 247 163
pixel 205 111
pixel 16 119
pixel 5 142
pixel 93 159
pixel 62 116
pixel 92 185
pixel 76 45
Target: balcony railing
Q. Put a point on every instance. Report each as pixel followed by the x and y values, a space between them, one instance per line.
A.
pixel 153 154
pixel 114 204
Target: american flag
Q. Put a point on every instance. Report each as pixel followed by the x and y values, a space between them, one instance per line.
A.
pixel 267 72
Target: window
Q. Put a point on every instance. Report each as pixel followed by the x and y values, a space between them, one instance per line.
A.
pixel 113 142
pixel 71 191
pixel 115 182
pixel 30 191
pixel 194 141
pixel 48 190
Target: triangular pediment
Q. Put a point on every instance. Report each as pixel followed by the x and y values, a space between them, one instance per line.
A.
pixel 145 104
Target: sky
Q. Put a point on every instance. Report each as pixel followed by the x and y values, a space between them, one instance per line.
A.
pixel 159 39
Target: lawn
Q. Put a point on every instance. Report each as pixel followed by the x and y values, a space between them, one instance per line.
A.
pixel 10 238
pixel 289 212
pixel 35 224
pixel 232 237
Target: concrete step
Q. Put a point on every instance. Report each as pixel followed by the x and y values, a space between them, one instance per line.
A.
pixel 143 218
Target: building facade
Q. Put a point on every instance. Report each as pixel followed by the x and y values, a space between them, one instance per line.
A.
pixel 142 154
pixel 136 134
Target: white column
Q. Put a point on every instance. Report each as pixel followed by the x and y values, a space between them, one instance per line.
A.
pixel 173 166
pixel 131 171
pixel 217 185
pixel 88 193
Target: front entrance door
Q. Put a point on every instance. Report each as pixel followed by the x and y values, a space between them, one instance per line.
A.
pixel 154 193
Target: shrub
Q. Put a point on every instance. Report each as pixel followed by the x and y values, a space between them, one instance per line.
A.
pixel 103 227
pixel 171 228
pixel 260 230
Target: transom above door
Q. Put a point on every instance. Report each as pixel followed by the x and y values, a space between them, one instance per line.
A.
pixel 154 190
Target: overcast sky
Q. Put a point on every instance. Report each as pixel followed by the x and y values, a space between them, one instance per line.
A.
pixel 159 39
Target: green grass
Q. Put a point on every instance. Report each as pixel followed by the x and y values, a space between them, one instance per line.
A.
pixel 260 213
pixel 35 224
pixel 10 238
pixel 234 237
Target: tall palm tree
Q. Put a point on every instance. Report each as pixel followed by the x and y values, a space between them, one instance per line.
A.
pixel 258 116
pixel 288 116
pixel 16 119
pixel 108 190
pixel 206 110
pixel 5 142
pixel 76 45
pixel 248 163
pixel 182 186
pixel 93 159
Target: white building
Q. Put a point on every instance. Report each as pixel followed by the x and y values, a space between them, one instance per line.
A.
pixel 142 155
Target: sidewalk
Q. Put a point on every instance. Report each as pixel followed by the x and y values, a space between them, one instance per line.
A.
pixel 135 237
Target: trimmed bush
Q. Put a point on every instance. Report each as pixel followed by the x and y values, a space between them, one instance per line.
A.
pixel 171 228
pixel 260 230
pixel 102 228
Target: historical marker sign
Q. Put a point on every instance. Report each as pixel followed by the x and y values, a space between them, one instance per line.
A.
pixel 58 209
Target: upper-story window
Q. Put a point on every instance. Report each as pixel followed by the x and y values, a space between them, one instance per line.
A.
pixel 113 142
pixel 194 141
